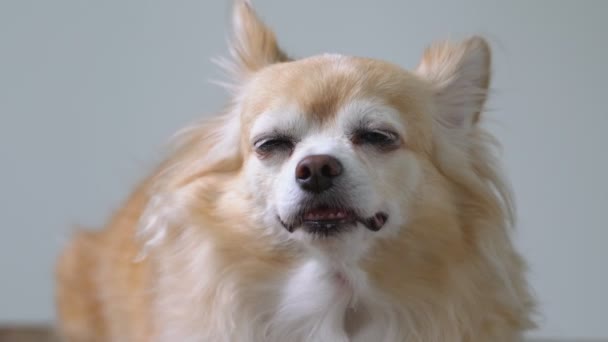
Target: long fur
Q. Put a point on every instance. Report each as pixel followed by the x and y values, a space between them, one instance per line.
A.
pixel 191 257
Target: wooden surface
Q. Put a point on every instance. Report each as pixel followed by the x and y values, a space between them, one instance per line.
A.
pixel 27 334
pixel 46 334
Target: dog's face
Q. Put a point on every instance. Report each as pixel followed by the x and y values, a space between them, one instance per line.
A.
pixel 333 146
pixel 331 151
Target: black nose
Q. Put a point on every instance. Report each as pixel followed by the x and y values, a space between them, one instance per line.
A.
pixel 316 173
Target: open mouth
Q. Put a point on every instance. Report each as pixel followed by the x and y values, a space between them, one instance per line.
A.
pixel 325 220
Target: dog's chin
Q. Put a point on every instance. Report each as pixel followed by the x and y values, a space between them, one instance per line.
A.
pixel 325 221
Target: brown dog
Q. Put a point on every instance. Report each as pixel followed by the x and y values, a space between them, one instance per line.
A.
pixel 336 199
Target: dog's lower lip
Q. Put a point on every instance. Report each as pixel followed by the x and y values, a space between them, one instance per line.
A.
pixel 331 218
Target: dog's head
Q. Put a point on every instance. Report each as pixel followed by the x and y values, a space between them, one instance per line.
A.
pixel 331 150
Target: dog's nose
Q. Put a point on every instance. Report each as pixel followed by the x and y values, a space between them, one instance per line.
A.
pixel 316 173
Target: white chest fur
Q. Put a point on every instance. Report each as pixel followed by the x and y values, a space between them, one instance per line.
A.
pixel 322 302
pixel 317 302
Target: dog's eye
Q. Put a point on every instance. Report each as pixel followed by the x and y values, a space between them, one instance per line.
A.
pixel 271 145
pixel 382 139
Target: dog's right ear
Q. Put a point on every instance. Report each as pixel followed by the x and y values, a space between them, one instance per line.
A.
pixel 253 45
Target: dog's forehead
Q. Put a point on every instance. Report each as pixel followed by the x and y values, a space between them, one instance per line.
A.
pixel 351 115
pixel 320 86
pixel 327 90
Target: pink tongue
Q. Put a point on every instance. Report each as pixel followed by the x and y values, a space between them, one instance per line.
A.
pixel 325 214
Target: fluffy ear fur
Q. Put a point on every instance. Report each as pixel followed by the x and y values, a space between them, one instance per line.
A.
pixel 460 76
pixel 212 147
pixel 253 45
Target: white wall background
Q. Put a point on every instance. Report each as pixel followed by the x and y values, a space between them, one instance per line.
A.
pixel 91 90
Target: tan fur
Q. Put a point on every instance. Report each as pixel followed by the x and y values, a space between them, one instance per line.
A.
pixel 103 294
pixel 452 269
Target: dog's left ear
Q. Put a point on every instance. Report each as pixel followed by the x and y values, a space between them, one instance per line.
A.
pixel 253 45
pixel 460 76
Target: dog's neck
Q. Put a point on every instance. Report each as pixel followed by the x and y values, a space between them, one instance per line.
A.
pixel 332 303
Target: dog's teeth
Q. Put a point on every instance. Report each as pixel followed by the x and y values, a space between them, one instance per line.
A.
pixel 326 214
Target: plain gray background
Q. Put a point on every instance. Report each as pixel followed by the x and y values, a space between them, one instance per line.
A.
pixel 91 90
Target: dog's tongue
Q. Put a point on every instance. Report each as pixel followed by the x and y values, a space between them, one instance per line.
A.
pixel 325 214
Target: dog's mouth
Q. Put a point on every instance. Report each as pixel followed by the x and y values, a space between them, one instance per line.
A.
pixel 325 220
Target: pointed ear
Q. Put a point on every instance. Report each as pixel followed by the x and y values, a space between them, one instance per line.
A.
pixel 253 45
pixel 460 76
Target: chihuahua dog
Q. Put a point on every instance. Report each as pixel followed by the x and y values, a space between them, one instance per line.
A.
pixel 336 198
